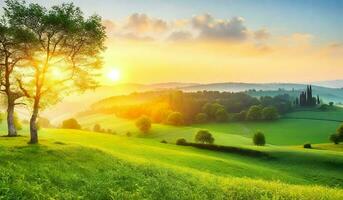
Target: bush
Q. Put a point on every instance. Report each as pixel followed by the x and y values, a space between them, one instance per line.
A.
pixel 203 136
pixel 181 141
pixel 324 107
pixel 71 124
pixel 270 113
pixel 334 138
pixel 240 116
pixel 259 139
pixel 97 128
pixel 221 115
pixel 307 146
pixel 164 141
pixel 143 124
pixel 128 134
pixel 201 118
pixel 331 103
pixel 175 118
pixel 254 113
pixel 44 122
pixel 17 123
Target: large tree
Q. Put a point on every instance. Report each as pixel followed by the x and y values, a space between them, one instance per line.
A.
pixel 69 54
pixel 14 45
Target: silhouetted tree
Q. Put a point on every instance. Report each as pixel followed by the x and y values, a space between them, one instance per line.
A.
pixel 259 139
pixel 203 136
pixel 143 124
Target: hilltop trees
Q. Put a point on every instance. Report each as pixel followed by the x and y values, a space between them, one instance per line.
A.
pixel 67 55
pixel 143 124
pixel 306 98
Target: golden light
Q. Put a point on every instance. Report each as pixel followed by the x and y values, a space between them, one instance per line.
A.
pixel 114 75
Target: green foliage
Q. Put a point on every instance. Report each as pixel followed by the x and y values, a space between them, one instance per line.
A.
pixel 307 146
pixel 335 138
pixel 71 123
pixel 254 113
pixel 181 141
pixel 340 131
pixel 201 118
pixel 211 109
pixel 241 116
pixel 259 139
pixel 221 115
pixel 204 136
pixel 270 113
pixel 175 118
pixel 143 124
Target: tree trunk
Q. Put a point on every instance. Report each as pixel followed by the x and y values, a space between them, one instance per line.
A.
pixel 33 123
pixel 12 132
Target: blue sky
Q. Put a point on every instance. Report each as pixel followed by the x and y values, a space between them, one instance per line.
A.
pixel 321 18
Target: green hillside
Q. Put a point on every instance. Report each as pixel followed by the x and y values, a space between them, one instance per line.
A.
pixel 76 164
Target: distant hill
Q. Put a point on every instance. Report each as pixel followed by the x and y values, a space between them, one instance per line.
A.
pixel 330 83
pixel 80 102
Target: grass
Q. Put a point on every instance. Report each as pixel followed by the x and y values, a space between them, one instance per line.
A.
pixel 74 164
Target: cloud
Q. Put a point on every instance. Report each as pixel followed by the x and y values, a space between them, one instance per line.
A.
pixel 142 23
pixel 109 25
pixel 180 36
pixel 232 29
pixel 262 34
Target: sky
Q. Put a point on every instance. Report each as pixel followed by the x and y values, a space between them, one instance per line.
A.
pixel 201 41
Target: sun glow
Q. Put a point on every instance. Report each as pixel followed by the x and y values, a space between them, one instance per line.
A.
pixel 114 75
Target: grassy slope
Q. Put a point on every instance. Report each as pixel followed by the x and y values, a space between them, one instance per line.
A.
pixel 281 132
pixel 74 163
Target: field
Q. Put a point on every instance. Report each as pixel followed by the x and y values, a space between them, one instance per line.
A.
pixel 71 164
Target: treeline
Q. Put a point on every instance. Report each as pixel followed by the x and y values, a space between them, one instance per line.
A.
pixel 178 108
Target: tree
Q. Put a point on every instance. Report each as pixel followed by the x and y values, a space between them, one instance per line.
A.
pixel 211 108
pixel 71 124
pixel 340 131
pixel 259 139
pixel 143 124
pixel 68 55
pixel 201 118
pixel 97 128
pixel 241 116
pixel 221 115
pixel 14 45
pixel 175 118
pixel 270 113
pixel 181 141
pixel 335 138
pixel 44 122
pixel 203 136
pixel 254 113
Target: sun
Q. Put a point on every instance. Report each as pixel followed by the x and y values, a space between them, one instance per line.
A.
pixel 114 75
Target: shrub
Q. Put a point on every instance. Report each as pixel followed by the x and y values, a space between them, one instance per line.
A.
pixel 270 113
pixel 201 118
pixel 331 103
pixel 71 124
pixel 307 146
pixel 254 113
pixel 17 122
pixel 203 136
pixel 181 141
pixel 128 134
pixel 334 138
pixel 240 116
pixel 164 141
pixel 324 107
pixel 175 118
pixel 143 124
pixel 259 139
pixel 221 115
pixel 44 122
pixel 97 128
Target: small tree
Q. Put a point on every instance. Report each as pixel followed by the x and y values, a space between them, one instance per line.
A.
pixel 259 139
pixel 221 115
pixel 270 113
pixel 175 118
pixel 97 128
pixel 71 124
pixel 334 138
pixel 254 113
pixel 181 141
pixel 203 136
pixel 201 118
pixel 143 124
